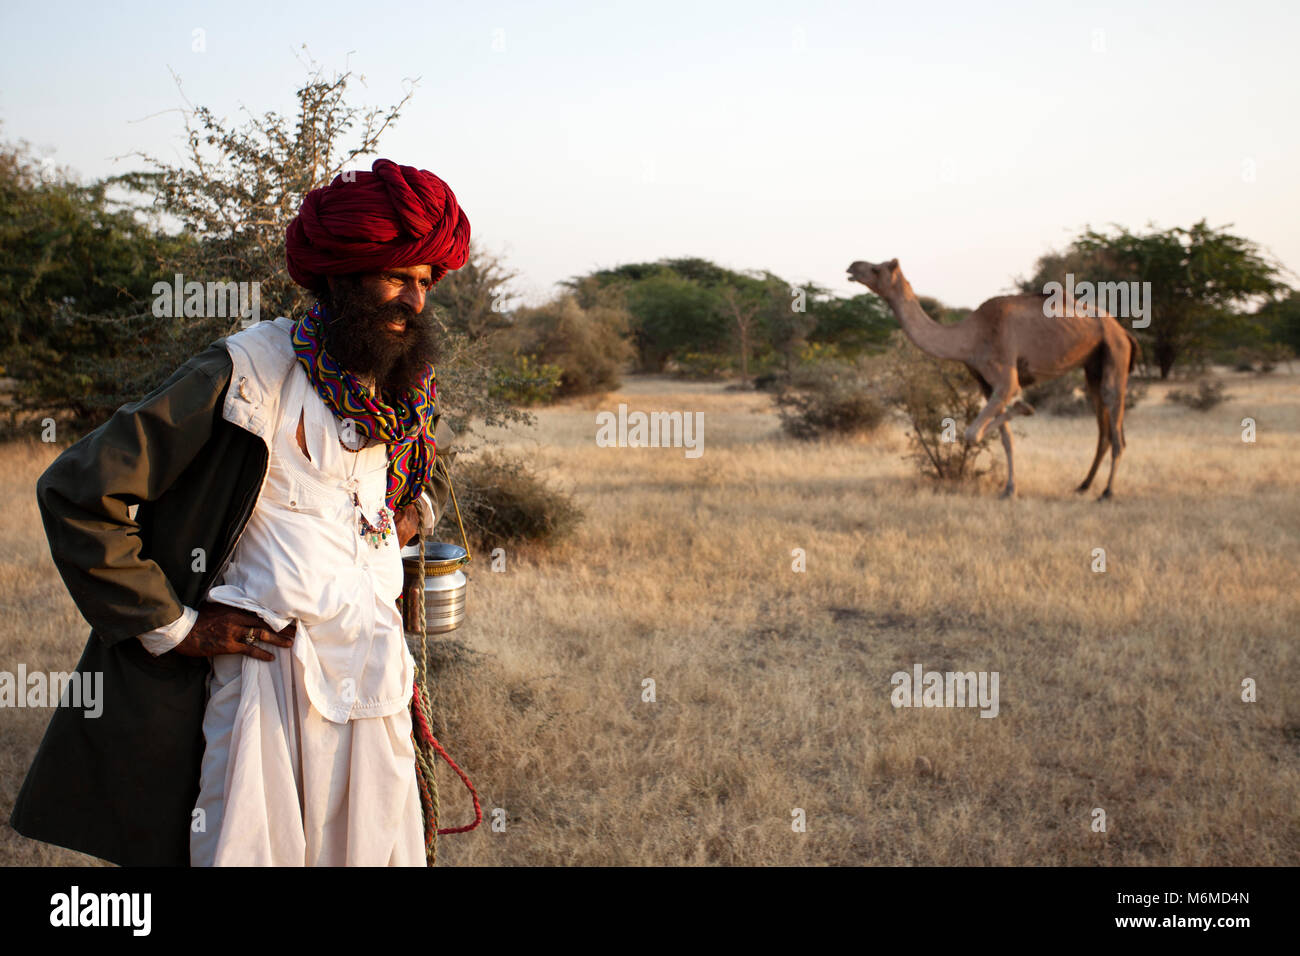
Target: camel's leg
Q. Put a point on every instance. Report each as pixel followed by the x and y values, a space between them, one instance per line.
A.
pixel 1113 383
pixel 1003 395
pixel 1019 408
pixel 1007 444
pixel 1103 429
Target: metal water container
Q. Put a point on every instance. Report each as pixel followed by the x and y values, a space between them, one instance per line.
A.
pixel 444 587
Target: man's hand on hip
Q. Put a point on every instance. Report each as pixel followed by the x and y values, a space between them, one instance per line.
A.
pixel 221 629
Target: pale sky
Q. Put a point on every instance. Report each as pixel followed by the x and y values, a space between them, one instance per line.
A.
pixel 965 139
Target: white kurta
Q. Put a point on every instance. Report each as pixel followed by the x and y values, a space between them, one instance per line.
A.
pixel 309 759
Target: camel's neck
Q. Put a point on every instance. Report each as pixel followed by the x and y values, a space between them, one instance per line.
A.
pixel 932 338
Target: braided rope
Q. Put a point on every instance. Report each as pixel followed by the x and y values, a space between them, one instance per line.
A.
pixel 428 807
pixel 427 748
pixel 419 708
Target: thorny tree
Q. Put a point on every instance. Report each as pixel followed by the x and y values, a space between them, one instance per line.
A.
pixel 234 197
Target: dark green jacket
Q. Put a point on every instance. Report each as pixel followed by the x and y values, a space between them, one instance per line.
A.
pixel 122 786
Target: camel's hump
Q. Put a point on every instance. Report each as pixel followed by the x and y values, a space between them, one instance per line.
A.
pixel 1029 303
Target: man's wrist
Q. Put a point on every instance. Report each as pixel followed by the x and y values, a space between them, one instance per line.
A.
pixel 163 639
pixel 428 514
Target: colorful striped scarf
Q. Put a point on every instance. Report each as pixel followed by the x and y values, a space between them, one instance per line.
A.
pixel 406 426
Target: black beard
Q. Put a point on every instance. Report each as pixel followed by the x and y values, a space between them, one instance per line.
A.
pixel 357 336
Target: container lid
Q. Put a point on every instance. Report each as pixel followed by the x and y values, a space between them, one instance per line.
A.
pixel 435 553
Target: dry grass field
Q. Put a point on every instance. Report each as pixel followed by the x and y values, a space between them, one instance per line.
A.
pixel 1118 690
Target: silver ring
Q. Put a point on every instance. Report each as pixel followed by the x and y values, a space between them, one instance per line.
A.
pixel 250 637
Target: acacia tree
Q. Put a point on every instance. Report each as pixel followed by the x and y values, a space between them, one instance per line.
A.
pixel 673 315
pixel 240 186
pixel 741 307
pixel 1279 321
pixel 855 324
pixel 789 316
pixel 235 194
pixel 1200 278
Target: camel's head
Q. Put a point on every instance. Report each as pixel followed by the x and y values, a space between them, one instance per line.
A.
pixel 881 278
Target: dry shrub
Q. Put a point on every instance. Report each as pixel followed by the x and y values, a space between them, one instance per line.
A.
pixel 589 344
pixel 503 501
pixel 1065 396
pixel 1134 393
pixel 1263 358
pixel 829 398
pixel 1208 394
pixel 938 399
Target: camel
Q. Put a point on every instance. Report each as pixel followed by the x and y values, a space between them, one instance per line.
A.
pixel 1008 343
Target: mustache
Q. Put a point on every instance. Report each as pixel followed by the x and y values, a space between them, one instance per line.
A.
pixel 398 310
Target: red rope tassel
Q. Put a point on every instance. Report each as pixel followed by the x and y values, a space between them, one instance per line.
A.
pixel 427 736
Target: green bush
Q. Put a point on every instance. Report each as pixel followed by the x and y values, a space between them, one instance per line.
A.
pixel 814 352
pixel 526 381
pixel 701 365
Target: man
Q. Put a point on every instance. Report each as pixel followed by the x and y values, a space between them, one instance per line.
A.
pixel 255 674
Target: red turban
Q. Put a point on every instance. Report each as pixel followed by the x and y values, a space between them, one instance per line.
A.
pixel 366 222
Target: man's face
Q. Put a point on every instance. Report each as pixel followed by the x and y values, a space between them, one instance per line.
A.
pixel 379 326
